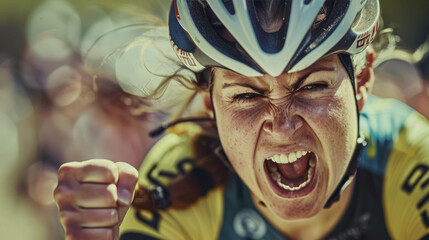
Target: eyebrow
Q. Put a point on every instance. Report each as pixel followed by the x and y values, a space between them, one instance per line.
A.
pixel 246 85
pixel 306 75
pixel 262 91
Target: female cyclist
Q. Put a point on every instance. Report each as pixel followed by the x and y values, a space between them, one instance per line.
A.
pixel 284 84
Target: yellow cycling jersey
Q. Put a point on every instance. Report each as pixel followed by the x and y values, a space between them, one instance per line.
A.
pixel 390 199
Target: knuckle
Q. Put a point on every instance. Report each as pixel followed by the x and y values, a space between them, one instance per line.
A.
pixel 127 169
pixel 104 195
pixel 69 221
pixel 58 191
pixel 99 218
pixel 93 234
pixel 74 235
pixel 66 167
pixel 105 234
pixel 113 217
pixel 112 172
pixel 112 193
pixel 63 195
pixel 104 168
pixel 133 176
pixel 66 170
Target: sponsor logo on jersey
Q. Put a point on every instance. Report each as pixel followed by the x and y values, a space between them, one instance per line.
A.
pixel 249 224
pixel 418 176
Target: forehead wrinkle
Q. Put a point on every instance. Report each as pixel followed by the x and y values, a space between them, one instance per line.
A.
pixel 296 79
pixel 267 81
pixel 232 78
pixel 246 85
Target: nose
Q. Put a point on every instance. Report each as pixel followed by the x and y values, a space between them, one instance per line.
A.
pixel 283 120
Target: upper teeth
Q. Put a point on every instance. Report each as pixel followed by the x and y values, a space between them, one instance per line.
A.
pixel 283 158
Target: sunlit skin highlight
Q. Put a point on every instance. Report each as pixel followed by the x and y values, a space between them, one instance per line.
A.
pixel 312 110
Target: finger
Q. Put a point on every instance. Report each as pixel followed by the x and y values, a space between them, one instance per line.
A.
pixel 95 170
pixel 67 173
pixel 64 196
pixel 89 233
pixel 98 171
pixel 93 195
pixel 89 218
pixel 127 181
pixel 100 218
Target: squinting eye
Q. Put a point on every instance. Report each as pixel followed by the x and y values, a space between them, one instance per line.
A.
pixel 246 96
pixel 315 86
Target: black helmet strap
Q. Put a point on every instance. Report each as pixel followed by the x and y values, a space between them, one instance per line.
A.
pixel 360 143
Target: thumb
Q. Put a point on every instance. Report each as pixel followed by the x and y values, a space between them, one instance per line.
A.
pixel 127 180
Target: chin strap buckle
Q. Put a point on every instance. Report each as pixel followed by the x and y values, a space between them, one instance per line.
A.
pixel 161 197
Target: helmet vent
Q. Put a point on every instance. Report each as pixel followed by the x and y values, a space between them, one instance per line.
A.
pixel 229 6
pixel 324 24
pixel 270 23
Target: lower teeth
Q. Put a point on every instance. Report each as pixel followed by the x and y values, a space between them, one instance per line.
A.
pixel 276 176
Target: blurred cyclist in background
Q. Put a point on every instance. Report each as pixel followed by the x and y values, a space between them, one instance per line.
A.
pixel 404 75
pixel 290 146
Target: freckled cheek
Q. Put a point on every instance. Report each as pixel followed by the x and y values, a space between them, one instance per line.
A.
pixel 239 151
pixel 240 123
pixel 329 117
pixel 335 125
pixel 238 135
pixel 318 116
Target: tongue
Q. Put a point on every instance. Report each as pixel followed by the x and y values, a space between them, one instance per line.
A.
pixel 296 169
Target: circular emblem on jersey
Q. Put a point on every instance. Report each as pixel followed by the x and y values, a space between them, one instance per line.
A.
pixel 248 223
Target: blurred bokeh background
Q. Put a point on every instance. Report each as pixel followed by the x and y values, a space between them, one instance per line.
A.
pixel 54 110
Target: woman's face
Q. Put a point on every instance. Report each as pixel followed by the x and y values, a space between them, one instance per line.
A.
pixel 291 137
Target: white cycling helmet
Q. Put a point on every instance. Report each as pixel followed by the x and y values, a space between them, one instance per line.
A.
pixel 228 33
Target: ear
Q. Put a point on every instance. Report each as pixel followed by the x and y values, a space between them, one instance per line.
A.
pixel 208 105
pixel 365 79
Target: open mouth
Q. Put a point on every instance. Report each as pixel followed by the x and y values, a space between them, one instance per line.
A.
pixel 292 175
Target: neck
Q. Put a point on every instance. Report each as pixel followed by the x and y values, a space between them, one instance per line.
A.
pixel 315 227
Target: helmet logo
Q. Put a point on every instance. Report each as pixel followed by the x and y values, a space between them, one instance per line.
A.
pixel 366 38
pixel 187 58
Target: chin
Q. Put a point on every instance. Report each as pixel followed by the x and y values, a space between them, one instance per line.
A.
pixel 299 211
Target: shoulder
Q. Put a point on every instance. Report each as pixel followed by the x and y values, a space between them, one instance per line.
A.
pixel 406 183
pixel 381 122
pixel 399 150
pixel 202 220
pixel 172 155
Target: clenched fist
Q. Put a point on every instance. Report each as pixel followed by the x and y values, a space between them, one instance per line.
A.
pixel 93 197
